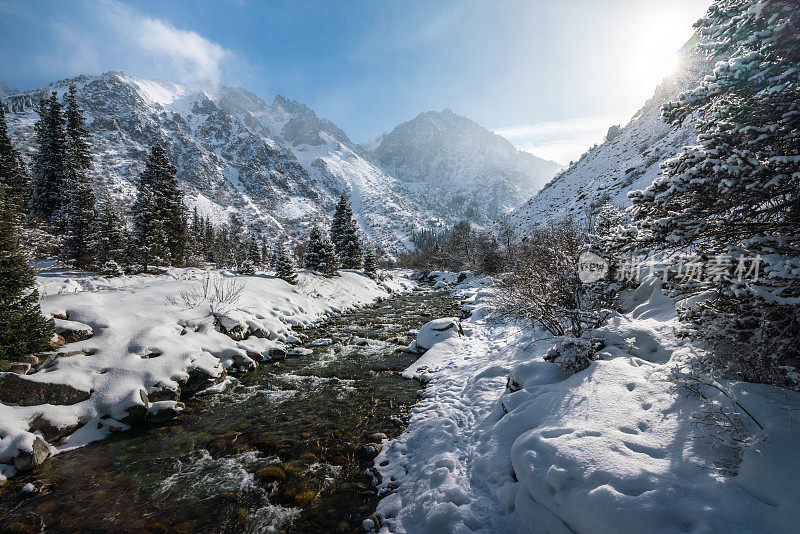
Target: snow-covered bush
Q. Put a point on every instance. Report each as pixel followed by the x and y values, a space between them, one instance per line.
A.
pixel 543 285
pixel 572 355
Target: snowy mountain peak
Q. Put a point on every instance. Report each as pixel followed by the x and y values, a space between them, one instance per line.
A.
pixel 466 170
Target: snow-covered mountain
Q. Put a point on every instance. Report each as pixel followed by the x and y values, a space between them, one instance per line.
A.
pixel 280 166
pixel 627 161
pixel 459 169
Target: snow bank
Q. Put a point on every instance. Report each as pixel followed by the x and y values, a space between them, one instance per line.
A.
pixel 152 335
pixel 502 442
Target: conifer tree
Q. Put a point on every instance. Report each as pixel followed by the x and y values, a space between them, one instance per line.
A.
pixel 108 239
pixel 735 193
pixel 344 234
pixel 23 330
pixel 369 263
pixel 284 268
pixel 321 254
pixel 352 251
pixel 49 185
pixel 14 178
pixel 144 217
pixel 80 212
pixel 77 138
pixel 253 252
pixel 159 177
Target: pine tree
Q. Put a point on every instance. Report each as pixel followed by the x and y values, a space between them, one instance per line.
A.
pixel 253 252
pixel 77 138
pixel 265 255
pixel 80 212
pixel 284 268
pixel 321 254
pixel 369 264
pixel 108 239
pixel 735 194
pixel 50 183
pixel 344 234
pixel 23 330
pixel 341 218
pixel 14 177
pixel 352 251
pixel 159 177
pixel 79 222
pixel 149 240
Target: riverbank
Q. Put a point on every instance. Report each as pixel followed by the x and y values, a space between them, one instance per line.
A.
pixel 504 441
pixel 139 344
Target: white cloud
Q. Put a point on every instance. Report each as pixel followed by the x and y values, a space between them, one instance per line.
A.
pixel 563 140
pixel 188 54
pixel 113 36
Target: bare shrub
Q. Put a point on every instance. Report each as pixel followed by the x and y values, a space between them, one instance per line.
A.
pixel 220 295
pixel 543 286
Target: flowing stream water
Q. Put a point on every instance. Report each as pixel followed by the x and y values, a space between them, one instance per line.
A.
pixel 282 450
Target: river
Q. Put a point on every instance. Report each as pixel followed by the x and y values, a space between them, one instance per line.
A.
pixel 282 450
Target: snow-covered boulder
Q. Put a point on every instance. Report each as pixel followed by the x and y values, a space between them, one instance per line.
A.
pixel 436 331
pixel 26 392
pixel 72 331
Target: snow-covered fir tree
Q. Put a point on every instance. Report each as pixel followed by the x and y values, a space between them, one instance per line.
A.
pixel 23 330
pixel 49 184
pixel 284 267
pixel 14 178
pixel 108 239
pixel 320 254
pixel 148 241
pixel 253 252
pixel 370 263
pixel 344 234
pixel 80 211
pixel 734 195
pixel 159 177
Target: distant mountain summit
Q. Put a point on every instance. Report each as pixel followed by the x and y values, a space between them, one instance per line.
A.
pixel 458 168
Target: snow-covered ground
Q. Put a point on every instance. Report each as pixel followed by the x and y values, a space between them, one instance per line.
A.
pixel 502 441
pixel 153 333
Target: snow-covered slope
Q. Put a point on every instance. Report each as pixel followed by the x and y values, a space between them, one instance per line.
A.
pixel 459 169
pixel 279 165
pixel 628 161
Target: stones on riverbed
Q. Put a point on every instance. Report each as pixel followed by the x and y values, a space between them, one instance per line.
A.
pixel 19 368
pixel 72 331
pixel 28 460
pixel 276 353
pixel 52 432
pixel 164 393
pixel 376 437
pixel 300 351
pixel 269 474
pixel 198 380
pixel 161 411
pixel 322 342
pixel 26 392
pixel 370 450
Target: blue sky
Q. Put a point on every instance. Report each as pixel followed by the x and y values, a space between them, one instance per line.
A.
pixel 551 75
